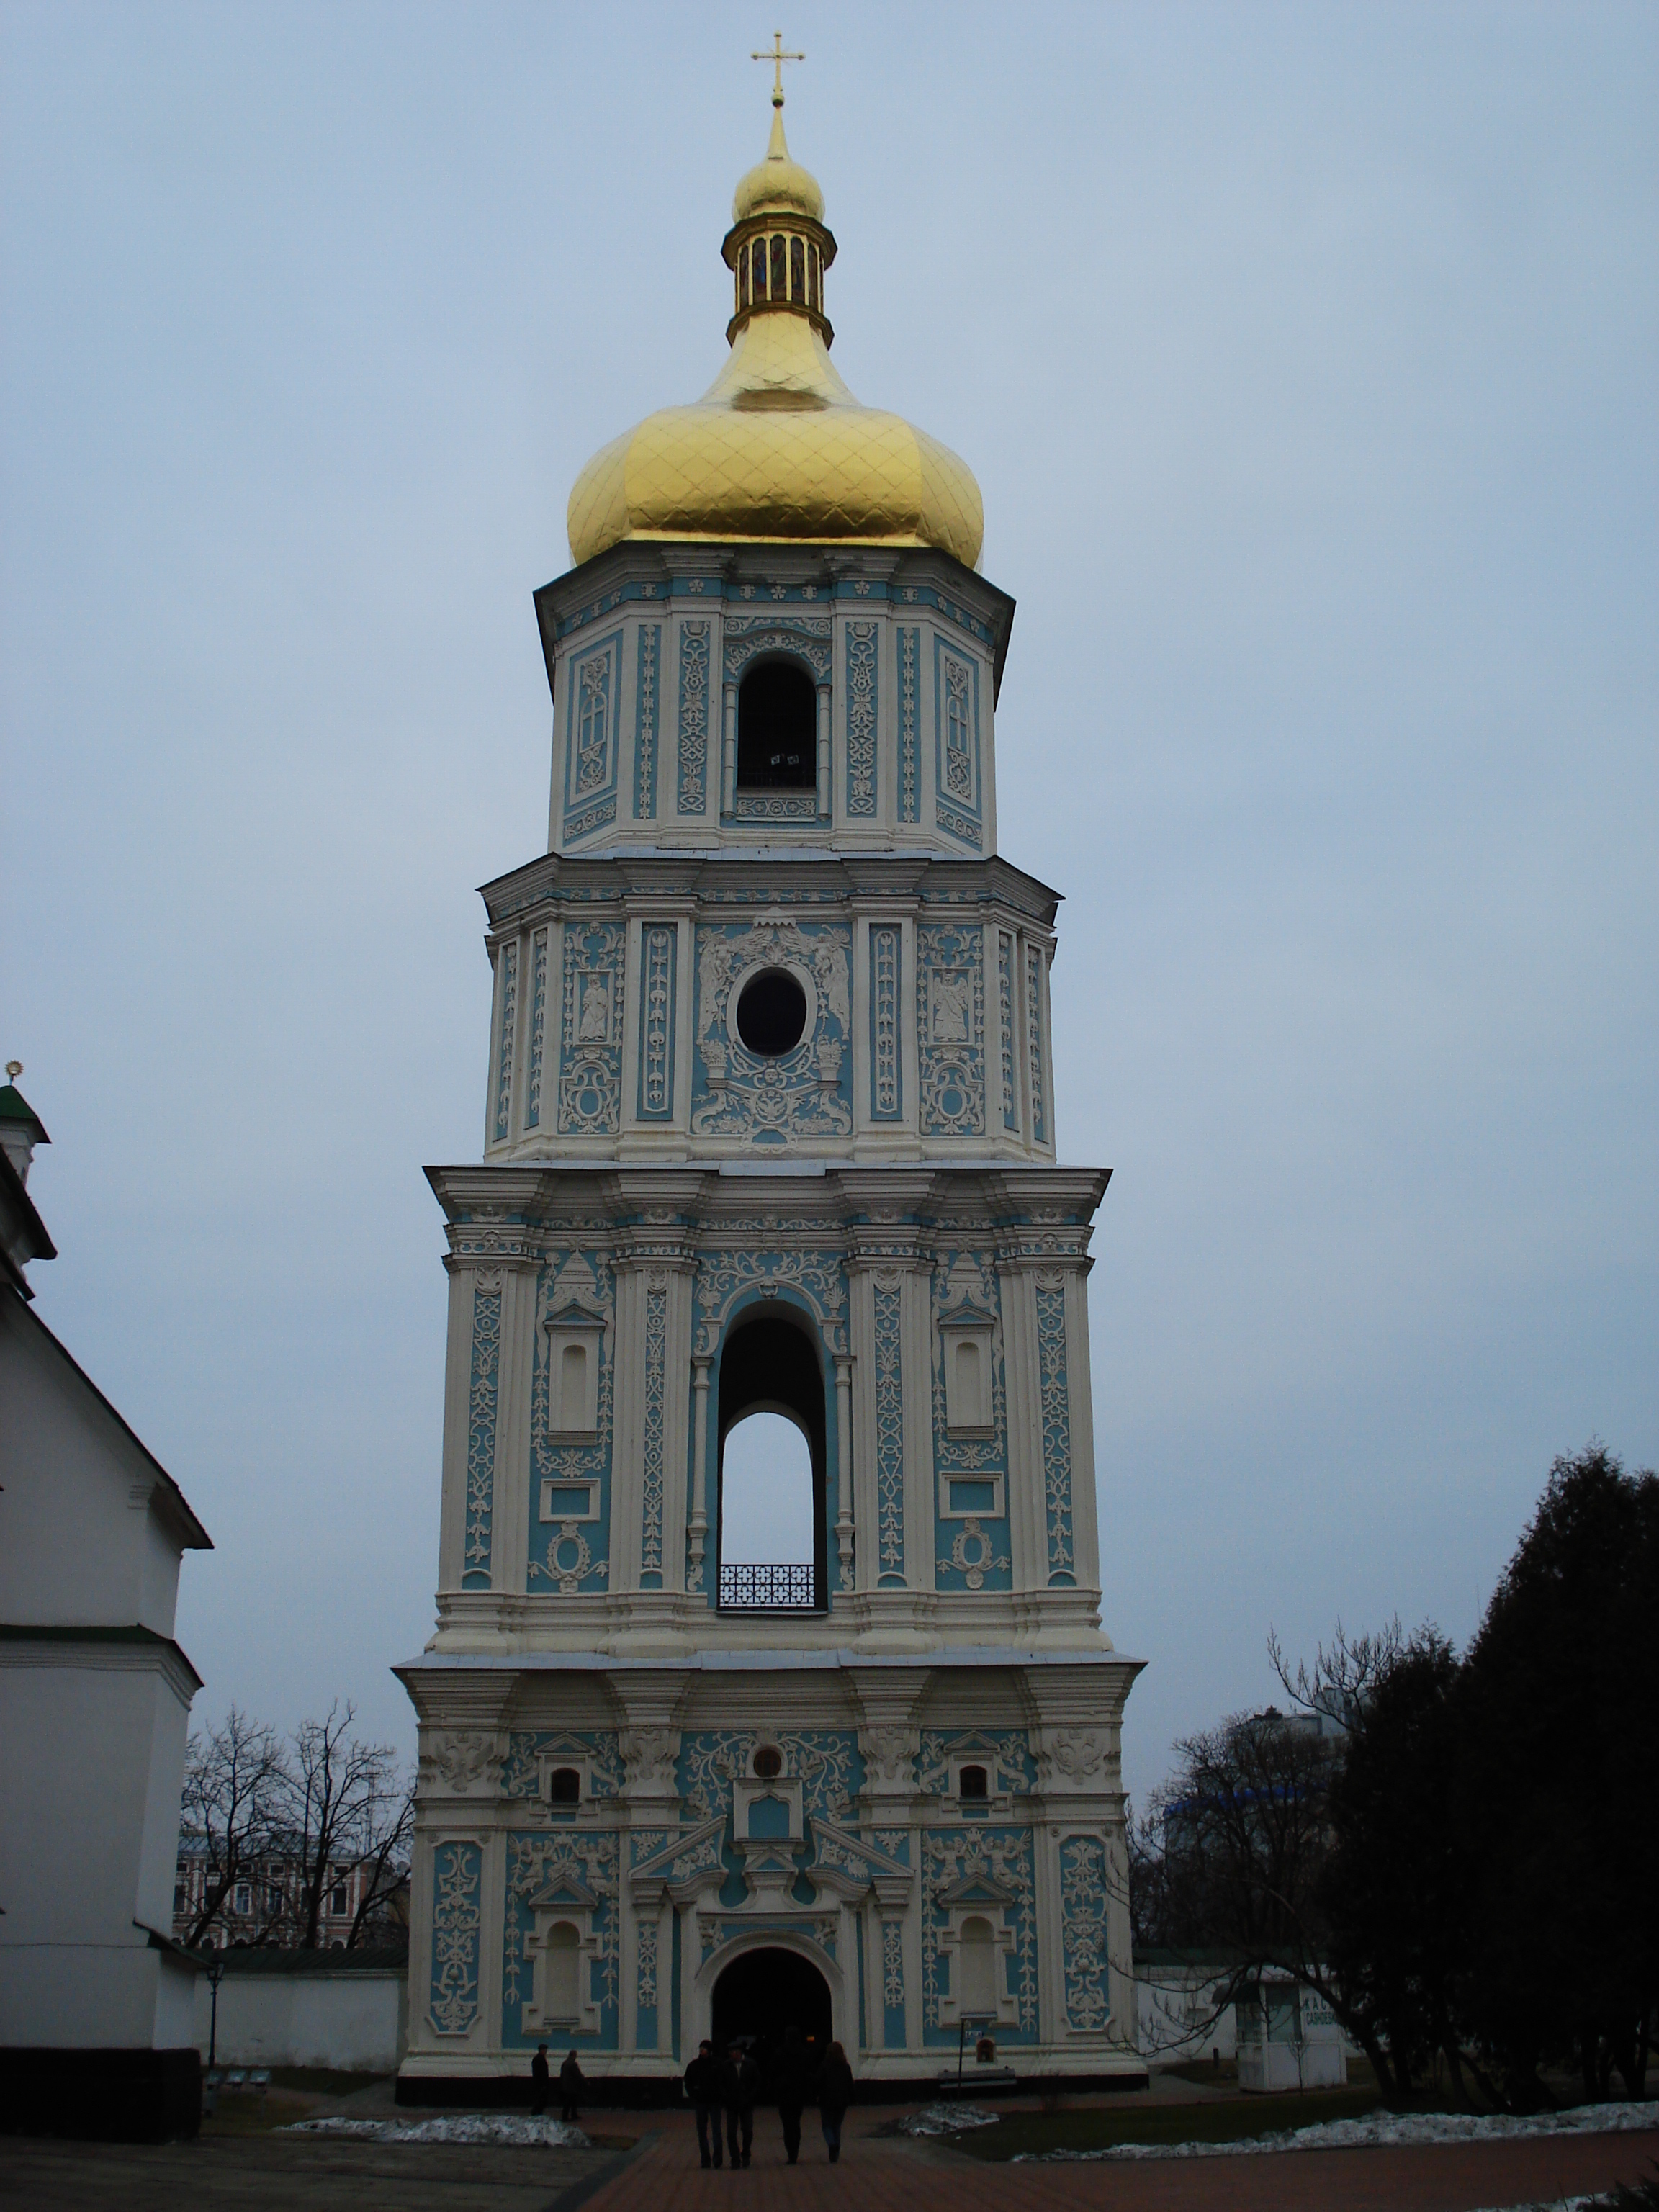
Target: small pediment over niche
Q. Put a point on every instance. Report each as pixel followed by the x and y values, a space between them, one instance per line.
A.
pixel 964 1315
pixel 572 1315
pixel 975 1889
pixel 564 1893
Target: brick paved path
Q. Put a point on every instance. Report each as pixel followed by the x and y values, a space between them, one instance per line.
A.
pixel 886 2173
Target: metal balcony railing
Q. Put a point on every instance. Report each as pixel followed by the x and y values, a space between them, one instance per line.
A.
pixel 745 1588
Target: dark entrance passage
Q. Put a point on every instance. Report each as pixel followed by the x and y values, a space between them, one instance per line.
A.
pixel 763 1992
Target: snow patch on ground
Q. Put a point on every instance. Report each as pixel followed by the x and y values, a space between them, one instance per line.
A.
pixel 1382 2129
pixel 944 2119
pixel 507 2128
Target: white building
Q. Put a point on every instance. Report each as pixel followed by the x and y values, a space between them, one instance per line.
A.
pixel 770 1128
pixel 94 1707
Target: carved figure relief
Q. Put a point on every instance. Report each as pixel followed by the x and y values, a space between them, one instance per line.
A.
pixel 951 1015
pixel 590 1078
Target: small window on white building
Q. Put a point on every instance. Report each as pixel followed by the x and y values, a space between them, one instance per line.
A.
pixel 242 1897
pixel 337 1902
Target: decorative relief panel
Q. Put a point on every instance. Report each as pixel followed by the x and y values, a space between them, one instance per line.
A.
pixel 484 1381
pixel 591 687
pixel 909 795
pixel 801 1094
pixel 825 1761
pixel 1083 1898
pixel 570 1481
pixel 590 1055
pixel 1034 1043
pixel 1056 1425
pixel 889 1434
pixel 886 1082
pixel 505 1038
pixel 724 1275
pixel 1006 1027
pixel 657 985
pixel 971 1527
pixel 532 1112
pixel 861 667
pixel 645 724
pixel 804 636
pixel 574 1874
pixel 950 1020
pixel 693 753
pixel 457 1922
pixel 993 1864
pixel 656 1339
pixel 526 1748
pixel 956 762
pixel 1004 1753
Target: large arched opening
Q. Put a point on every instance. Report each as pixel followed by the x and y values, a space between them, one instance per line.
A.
pixel 770 1365
pixel 761 1993
pixel 777 728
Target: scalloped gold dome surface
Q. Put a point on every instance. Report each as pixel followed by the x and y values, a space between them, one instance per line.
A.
pixel 777 448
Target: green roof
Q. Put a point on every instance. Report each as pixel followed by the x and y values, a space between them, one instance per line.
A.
pixel 14 1107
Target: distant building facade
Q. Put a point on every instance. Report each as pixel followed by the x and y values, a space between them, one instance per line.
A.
pixel 265 1904
pixel 94 1708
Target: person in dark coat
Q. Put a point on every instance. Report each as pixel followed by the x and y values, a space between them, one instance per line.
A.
pixel 835 2095
pixel 538 2081
pixel 794 2079
pixel 571 2085
pixel 742 2087
pixel 705 2087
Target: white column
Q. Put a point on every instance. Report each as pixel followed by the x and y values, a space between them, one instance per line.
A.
pixel 825 801
pixel 729 750
pixel 698 1534
pixel 844 1524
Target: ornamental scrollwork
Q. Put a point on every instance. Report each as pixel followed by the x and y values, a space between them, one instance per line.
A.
pixel 724 1275
pixel 791 1097
pixel 1083 1904
pixel 456 1925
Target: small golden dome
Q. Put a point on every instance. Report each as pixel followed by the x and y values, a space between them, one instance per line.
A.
pixel 778 185
pixel 777 449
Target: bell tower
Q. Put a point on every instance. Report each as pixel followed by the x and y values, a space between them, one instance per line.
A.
pixel 770 1121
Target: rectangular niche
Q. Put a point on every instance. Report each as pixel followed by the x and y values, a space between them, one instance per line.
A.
pixel 575 1339
pixel 967 1344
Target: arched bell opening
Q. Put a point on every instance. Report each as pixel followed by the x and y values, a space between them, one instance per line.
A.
pixel 770 1364
pixel 777 727
pixel 763 1992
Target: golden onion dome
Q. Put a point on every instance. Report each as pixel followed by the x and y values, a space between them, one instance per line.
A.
pixel 778 185
pixel 777 448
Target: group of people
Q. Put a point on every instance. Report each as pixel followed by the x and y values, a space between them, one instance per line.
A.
pixel 727 2088
pixel 572 2083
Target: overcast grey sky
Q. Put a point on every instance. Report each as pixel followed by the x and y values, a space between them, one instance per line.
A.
pixel 1305 357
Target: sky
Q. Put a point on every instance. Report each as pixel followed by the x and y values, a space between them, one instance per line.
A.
pixel 1306 359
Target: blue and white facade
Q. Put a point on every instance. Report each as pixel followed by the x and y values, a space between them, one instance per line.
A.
pixel 637 1766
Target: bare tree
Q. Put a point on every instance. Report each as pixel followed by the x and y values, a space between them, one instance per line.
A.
pixel 349 1807
pixel 235 1800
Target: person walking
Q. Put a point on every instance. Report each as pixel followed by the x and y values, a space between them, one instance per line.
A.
pixel 743 2086
pixel 835 2095
pixel 572 2083
pixel 793 2080
pixel 703 2086
pixel 538 2081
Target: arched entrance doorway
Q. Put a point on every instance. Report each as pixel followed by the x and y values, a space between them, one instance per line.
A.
pixel 761 1993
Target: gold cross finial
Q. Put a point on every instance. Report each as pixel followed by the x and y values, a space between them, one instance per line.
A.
pixel 776 55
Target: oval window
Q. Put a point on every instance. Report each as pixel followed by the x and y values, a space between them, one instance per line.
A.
pixel 768 1762
pixel 772 1014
